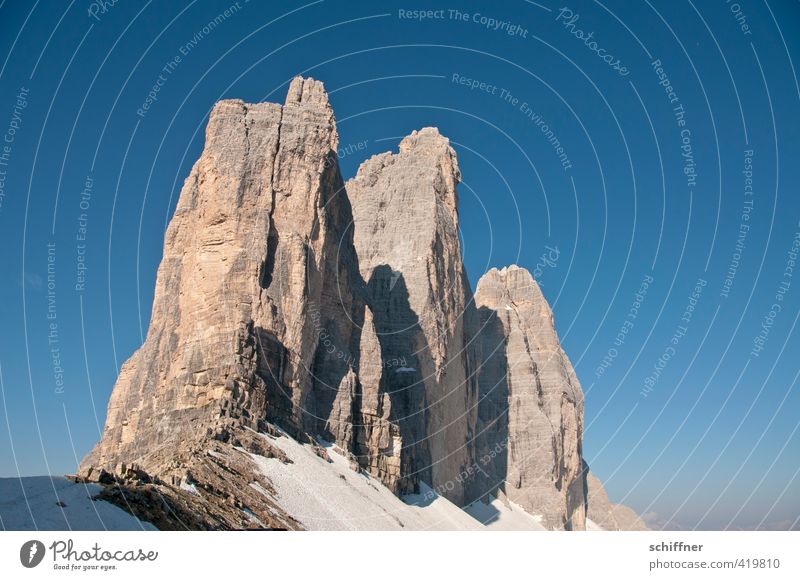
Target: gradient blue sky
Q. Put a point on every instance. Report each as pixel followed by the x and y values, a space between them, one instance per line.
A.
pixel 714 443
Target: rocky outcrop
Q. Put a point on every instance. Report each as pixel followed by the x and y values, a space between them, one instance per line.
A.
pixel 289 302
pixel 538 439
pixel 405 221
pixel 609 516
pixel 213 485
pixel 249 281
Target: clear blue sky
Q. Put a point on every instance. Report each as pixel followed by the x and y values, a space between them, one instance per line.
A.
pixel 654 114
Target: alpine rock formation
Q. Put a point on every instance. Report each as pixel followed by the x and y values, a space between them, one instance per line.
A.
pixel 300 322
pixel 405 221
pixel 534 400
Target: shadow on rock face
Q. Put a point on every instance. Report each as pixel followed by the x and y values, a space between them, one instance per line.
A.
pixel 492 433
pixel 402 339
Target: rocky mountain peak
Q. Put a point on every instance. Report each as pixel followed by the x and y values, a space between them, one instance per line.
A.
pixel 308 91
pixel 425 155
pixel 510 284
pixel 291 303
pixel 405 232
pixel 428 142
pixel 528 372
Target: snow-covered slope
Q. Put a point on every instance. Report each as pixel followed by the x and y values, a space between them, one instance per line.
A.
pixel 332 496
pixel 56 503
pixel 320 494
pixel 593 527
pixel 498 515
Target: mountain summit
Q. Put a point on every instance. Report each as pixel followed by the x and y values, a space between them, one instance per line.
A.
pixel 301 323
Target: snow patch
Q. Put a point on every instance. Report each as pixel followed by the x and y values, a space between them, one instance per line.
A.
pixel 189 487
pixel 59 504
pixel 332 496
pixel 593 527
pixel 253 518
pixel 498 515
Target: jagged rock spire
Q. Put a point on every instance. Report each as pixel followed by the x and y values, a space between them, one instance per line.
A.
pixel 542 430
pixel 342 311
pixel 405 219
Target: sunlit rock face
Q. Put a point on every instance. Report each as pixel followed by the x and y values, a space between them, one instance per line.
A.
pixel 288 301
pixel 249 256
pixel 537 442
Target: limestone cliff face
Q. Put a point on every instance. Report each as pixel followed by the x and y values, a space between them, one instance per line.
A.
pixel 405 219
pixel 249 257
pixel 538 440
pixel 287 298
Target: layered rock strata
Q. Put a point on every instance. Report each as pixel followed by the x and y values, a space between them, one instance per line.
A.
pixel 405 219
pixel 535 445
pixel 288 298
